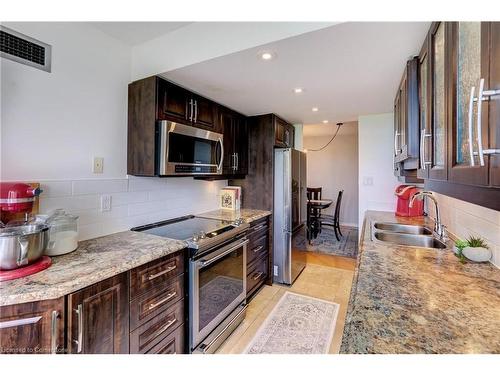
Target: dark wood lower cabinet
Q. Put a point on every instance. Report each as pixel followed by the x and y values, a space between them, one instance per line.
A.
pixel 258 256
pixel 98 320
pixel 32 328
pixel 172 344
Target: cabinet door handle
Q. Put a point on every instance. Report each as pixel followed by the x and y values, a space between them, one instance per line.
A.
pixel 237 161
pixel 479 126
pixel 422 164
pixel 166 270
pixel 161 302
pixel 191 110
pixel 257 275
pixel 79 341
pixel 257 249
pixel 396 135
pixel 195 110
pixel 483 95
pixel 54 332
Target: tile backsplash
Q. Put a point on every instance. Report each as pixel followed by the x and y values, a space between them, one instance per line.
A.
pixel 134 201
pixel 464 219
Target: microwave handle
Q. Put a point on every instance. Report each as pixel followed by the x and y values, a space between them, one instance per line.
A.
pixel 221 154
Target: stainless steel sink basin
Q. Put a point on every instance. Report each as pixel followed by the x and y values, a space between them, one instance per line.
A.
pixel 402 228
pixel 410 240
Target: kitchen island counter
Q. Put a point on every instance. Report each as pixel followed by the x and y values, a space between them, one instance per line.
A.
pixel 417 300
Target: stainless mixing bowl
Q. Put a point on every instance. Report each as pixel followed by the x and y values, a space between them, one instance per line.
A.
pixel 22 245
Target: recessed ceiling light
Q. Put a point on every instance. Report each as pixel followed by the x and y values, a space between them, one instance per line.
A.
pixel 325 121
pixel 266 55
pixel 315 109
pixel 298 90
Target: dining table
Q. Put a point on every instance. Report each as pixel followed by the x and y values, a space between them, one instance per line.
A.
pixel 313 223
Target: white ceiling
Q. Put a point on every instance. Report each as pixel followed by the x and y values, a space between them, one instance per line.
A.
pixel 346 70
pixel 133 33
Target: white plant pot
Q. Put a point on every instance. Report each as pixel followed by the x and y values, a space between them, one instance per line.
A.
pixel 477 254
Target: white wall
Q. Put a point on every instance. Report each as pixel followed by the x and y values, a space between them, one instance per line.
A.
pixel 53 124
pixel 335 168
pixel 298 137
pixel 375 145
pixel 464 219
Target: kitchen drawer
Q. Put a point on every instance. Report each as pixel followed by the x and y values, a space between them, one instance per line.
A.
pixel 257 248
pixel 148 276
pixel 258 229
pixel 257 274
pixel 151 333
pixel 172 344
pixel 155 301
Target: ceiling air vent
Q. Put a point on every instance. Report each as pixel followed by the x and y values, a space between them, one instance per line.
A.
pixel 23 49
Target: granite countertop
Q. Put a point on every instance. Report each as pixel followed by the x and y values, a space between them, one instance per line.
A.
pixel 94 260
pixel 101 258
pixel 416 300
pixel 248 215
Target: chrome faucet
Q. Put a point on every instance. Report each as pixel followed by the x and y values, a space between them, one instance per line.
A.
pixel 439 228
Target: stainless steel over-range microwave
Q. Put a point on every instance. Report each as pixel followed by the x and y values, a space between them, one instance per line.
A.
pixel 184 150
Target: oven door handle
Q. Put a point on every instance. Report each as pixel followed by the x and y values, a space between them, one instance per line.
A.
pixel 207 261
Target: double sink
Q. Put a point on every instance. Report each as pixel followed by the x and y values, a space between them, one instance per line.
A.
pixel 406 234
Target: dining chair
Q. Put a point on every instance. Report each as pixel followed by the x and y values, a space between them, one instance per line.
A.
pixel 334 221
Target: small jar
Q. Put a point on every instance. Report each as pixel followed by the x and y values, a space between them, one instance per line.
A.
pixel 63 234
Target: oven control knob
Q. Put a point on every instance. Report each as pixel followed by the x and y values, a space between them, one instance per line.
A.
pixel 196 237
pixel 203 235
pixel 238 222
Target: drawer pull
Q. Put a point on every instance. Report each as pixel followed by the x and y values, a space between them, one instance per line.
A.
pixel 167 270
pixel 259 227
pixel 169 324
pixel 257 275
pixel 257 249
pixel 166 299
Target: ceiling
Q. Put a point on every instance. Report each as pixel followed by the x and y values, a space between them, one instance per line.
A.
pixel 346 70
pixel 133 33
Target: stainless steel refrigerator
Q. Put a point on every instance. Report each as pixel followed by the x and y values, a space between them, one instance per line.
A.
pixel 290 202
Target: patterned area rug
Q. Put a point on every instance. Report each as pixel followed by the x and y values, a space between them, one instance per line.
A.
pixel 327 243
pixel 297 325
pixel 216 295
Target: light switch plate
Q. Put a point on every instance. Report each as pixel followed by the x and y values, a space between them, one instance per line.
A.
pixel 275 270
pixel 98 165
pixel 368 181
pixel 105 203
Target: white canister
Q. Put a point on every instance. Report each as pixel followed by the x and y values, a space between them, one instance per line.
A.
pixel 63 233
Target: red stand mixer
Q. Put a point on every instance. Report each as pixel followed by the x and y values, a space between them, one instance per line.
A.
pixel 21 243
pixel 404 194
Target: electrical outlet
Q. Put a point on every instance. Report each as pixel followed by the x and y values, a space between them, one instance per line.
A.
pixel 105 203
pixel 275 270
pixel 368 181
pixel 98 165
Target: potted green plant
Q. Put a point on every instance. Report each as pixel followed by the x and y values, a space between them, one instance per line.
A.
pixel 460 245
pixel 476 250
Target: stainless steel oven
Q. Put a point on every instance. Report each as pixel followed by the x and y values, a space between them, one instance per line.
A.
pixel 217 293
pixel 185 150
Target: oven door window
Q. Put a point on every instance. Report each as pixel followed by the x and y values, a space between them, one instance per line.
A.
pixel 220 283
pixel 191 150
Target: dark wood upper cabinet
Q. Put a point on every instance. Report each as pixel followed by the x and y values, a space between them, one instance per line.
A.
pixel 154 99
pixel 235 143
pixel 205 113
pixel 424 99
pixel 98 318
pixel 173 102
pixel 32 328
pixel 284 133
pixel 472 126
pixel 438 167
